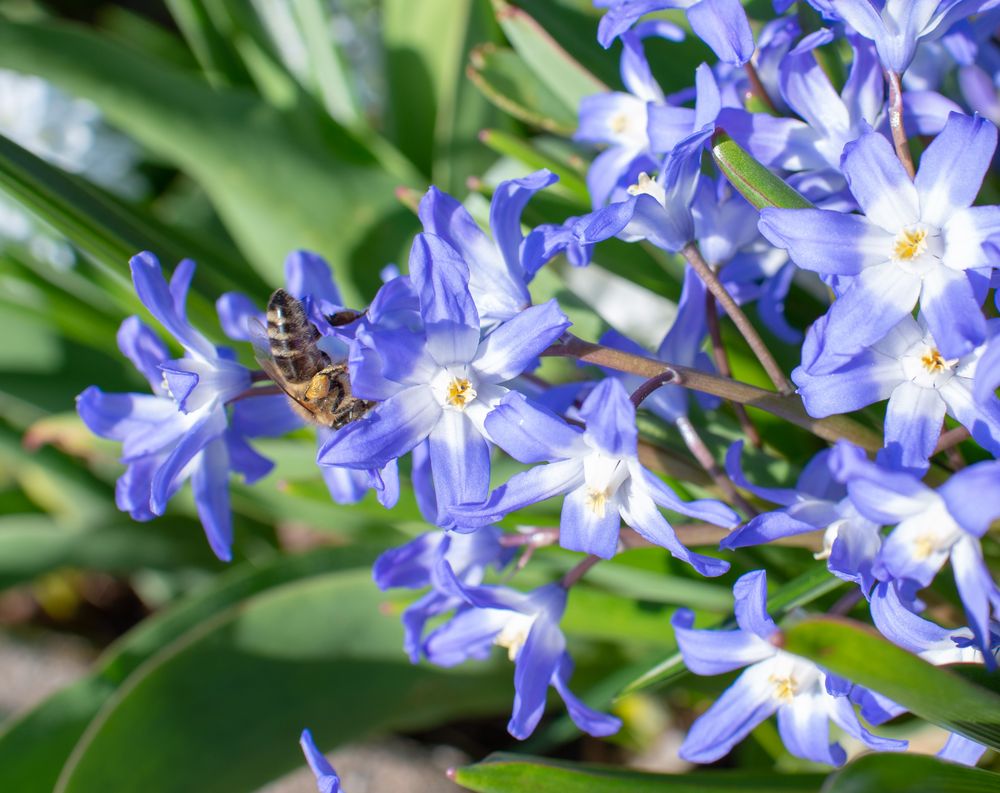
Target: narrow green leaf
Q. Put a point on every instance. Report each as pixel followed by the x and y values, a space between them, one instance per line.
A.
pixel 812 584
pixel 555 67
pixel 210 46
pixel 754 181
pixel 570 184
pixel 909 773
pixel 34 747
pixel 505 79
pixel 224 704
pixel 108 230
pixel 334 196
pixel 860 654
pixel 508 773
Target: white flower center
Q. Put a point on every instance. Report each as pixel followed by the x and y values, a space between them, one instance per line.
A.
pixel 785 687
pixel 926 367
pixel 648 186
pixel 917 249
pixel 619 122
pixel 514 634
pixel 603 476
pixel 455 388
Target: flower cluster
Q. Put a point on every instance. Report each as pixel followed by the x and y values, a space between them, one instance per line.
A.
pixel 446 361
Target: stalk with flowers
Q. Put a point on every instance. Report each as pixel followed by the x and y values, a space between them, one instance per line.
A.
pixel 702 377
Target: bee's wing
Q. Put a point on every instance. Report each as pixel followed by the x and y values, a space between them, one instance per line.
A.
pixel 262 352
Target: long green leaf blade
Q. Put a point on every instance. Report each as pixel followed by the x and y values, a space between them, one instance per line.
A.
pixel 861 655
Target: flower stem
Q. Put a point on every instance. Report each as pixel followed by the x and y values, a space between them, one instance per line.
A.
pixel 951 438
pixel 721 359
pixel 896 122
pixel 789 408
pixel 639 395
pixel 749 332
pixel 704 457
pixel 576 573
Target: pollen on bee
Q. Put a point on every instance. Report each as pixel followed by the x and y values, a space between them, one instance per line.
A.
pixel 460 392
pixel 910 244
pixel 319 387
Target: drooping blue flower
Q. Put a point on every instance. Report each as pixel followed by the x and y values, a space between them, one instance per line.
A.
pixel 818 502
pixel 327 780
pixel 932 527
pixel 897 26
pixel 915 243
pixel 804 697
pixel 416 565
pixel 308 278
pixel 599 471
pixel 921 385
pixel 527 624
pixel 182 431
pixel 440 382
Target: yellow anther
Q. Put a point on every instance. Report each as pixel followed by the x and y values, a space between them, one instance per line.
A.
pixel 619 123
pixel 597 501
pixel 460 392
pixel 935 363
pixel 910 245
pixel 785 687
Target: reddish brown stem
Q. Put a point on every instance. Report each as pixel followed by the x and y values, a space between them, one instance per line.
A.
pixel 704 457
pixel 721 359
pixel 757 88
pixel 576 573
pixel 899 140
pixel 743 325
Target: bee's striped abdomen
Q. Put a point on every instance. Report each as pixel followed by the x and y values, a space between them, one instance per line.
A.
pixel 293 338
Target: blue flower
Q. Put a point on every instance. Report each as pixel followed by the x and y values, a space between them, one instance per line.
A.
pixel 308 278
pixel 721 24
pixel 439 383
pixel 921 385
pixel 818 502
pixel 598 469
pixel 775 681
pixel 498 271
pixel 622 120
pixel 416 565
pixel 897 26
pixel 327 780
pixel 932 526
pixel 915 243
pixel 527 625
pixel 182 431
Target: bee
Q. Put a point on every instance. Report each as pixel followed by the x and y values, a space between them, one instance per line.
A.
pixel 318 389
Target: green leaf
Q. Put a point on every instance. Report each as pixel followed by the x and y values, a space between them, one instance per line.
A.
pixel 223 705
pixel 812 584
pixel 570 184
pixel 909 773
pixel 860 654
pixel 34 747
pixel 754 181
pixel 555 67
pixel 279 182
pixel 210 46
pixel 108 230
pixel 505 79
pixel 508 773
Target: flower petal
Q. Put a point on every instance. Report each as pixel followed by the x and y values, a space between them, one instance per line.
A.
pixel 949 306
pixel 953 166
pixel 715 652
pixel 610 418
pixel 804 726
pixel 530 433
pixel 587 719
pixel 589 526
pixel 210 427
pixel 523 489
pixel 513 346
pixel 210 486
pixel 534 667
pixel 832 243
pixel 972 496
pixel 460 462
pixel 880 183
pixel 912 427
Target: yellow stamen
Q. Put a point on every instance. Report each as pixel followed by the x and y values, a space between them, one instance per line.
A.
pixel 923 547
pixel 619 123
pixel 460 392
pixel 935 363
pixel 597 501
pixel 514 634
pixel 910 244
pixel 642 186
pixel 785 687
